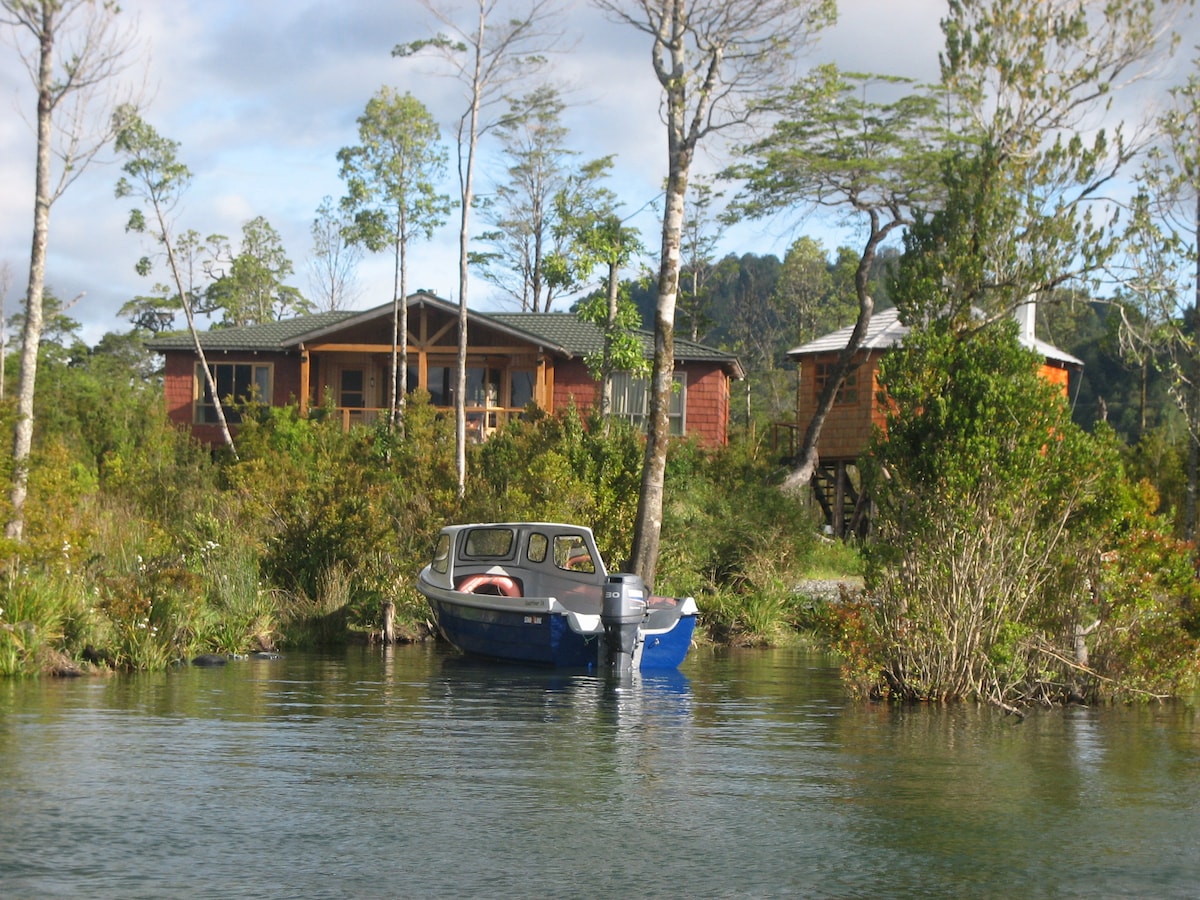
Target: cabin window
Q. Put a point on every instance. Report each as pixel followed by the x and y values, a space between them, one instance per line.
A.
pixel 237 383
pixel 847 393
pixel 441 555
pixel 538 545
pixel 571 552
pixel 352 392
pixel 631 401
pixel 489 543
pixel 520 388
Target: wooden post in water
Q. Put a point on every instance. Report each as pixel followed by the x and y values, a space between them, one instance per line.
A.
pixel 389 622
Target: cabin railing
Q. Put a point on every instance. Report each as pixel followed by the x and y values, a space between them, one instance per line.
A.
pixel 482 423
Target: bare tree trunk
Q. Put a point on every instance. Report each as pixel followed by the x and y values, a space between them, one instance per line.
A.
pixel 32 335
pixel 648 528
pixel 606 383
pixel 1193 407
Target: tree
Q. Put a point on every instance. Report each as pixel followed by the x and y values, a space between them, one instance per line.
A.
pixel 993 510
pixel 391 180
pixel 711 58
pixel 522 209
pixel 1034 82
pixel 1159 269
pixel 252 290
pixel 155 176
pixel 597 237
pixel 73 118
pixel 333 262
pixel 805 286
pixel 697 250
pixel 873 161
pixel 487 58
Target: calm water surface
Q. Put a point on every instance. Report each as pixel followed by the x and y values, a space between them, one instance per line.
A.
pixel 415 773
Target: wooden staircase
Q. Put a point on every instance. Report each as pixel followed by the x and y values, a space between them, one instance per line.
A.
pixel 845 505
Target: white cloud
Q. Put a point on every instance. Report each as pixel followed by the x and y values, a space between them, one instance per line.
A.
pixel 261 94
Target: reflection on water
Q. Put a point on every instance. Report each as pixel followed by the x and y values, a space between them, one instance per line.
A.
pixel 416 773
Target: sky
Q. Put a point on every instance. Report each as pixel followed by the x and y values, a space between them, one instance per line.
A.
pixel 261 94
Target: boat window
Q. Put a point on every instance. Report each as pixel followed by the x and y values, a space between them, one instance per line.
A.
pixel 441 554
pixel 571 552
pixel 538 545
pixel 491 542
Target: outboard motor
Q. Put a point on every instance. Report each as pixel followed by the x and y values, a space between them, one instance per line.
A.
pixel 622 614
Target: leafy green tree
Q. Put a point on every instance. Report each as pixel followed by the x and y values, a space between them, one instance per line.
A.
pixel 522 210
pixel 832 147
pixel 391 179
pixel 154 176
pixel 252 291
pixel 1034 82
pixel 712 59
pixel 488 59
pixel 1158 273
pixel 73 124
pixel 596 237
pixel 804 288
pixel 1013 562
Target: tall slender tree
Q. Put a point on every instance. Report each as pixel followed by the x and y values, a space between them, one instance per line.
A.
pixel 1159 269
pixel 154 175
pixel 713 59
pixel 522 210
pixel 78 50
pixel 334 258
pixel 391 180
pixel 488 58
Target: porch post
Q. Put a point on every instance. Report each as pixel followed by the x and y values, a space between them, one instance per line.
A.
pixel 304 376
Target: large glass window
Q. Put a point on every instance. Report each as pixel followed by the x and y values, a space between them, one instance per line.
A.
pixel 483 386
pixel 631 400
pixel 237 383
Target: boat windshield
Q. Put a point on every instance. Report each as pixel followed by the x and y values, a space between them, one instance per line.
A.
pixel 488 543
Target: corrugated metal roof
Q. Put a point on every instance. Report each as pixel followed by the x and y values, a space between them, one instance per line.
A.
pixel 886 330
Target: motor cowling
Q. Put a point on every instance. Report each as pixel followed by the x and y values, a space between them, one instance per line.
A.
pixel 622 614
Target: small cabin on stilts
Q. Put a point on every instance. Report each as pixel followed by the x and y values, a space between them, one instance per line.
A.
pixel 857 410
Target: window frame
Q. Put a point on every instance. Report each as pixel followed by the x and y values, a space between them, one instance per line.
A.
pixel 261 383
pixel 625 387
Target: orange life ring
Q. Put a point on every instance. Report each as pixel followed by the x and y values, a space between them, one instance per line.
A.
pixel 500 584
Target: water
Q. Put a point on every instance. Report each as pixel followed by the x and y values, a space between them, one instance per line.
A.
pixel 420 774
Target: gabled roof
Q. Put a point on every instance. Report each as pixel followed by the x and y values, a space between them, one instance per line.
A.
pixel 886 330
pixel 562 333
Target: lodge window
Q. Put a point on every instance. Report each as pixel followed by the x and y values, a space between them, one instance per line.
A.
pixel 483 387
pixel 847 393
pixel 631 401
pixel 237 383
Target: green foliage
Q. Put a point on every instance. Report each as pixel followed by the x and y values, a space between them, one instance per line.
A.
pixel 994 513
pixel 253 291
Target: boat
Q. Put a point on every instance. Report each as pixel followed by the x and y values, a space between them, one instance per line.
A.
pixel 538 593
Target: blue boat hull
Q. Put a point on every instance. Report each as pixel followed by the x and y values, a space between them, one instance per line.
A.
pixel 546 639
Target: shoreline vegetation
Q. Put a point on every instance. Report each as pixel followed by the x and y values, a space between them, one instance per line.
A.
pixel 168 552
